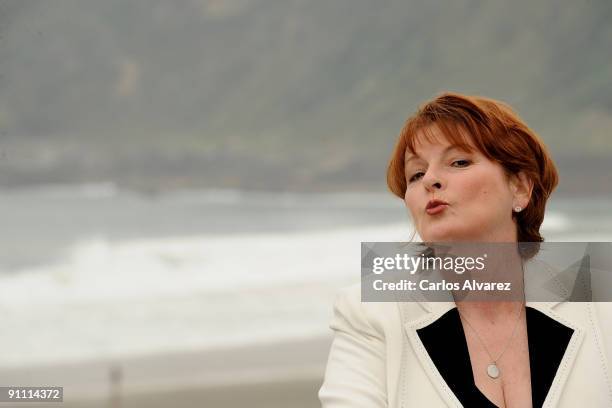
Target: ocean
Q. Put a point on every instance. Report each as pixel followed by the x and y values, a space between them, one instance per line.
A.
pixel 97 272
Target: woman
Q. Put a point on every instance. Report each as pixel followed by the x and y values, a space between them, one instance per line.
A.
pixel 469 169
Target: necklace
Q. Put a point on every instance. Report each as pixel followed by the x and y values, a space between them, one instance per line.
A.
pixel 492 369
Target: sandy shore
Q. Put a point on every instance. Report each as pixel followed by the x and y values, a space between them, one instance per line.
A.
pixel 295 393
pixel 281 374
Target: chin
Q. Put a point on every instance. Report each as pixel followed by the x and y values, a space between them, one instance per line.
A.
pixel 436 237
pixel 444 235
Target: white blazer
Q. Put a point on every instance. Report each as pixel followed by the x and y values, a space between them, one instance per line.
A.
pixel 378 360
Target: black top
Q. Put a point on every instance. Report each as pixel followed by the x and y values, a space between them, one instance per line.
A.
pixel 445 342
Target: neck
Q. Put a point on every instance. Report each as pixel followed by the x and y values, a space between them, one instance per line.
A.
pixel 502 232
pixel 489 311
pixel 503 265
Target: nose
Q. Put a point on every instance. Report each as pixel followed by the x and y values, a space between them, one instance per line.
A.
pixel 431 181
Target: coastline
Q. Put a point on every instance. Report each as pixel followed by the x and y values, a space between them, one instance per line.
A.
pixel 258 375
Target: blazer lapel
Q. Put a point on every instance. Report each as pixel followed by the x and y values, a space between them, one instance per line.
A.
pixel 553 346
pixel 554 343
pixel 435 311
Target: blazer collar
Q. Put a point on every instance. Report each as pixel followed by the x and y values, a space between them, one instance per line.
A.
pixel 546 327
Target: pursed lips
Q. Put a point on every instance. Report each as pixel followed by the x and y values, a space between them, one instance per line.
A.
pixel 435 206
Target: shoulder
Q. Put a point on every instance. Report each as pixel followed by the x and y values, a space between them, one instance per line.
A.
pixel 593 320
pixel 374 318
pixel 602 316
pixel 604 309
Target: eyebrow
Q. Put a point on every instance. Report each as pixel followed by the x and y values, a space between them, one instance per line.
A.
pixel 416 156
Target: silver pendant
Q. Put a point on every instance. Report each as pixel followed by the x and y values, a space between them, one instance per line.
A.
pixel 493 370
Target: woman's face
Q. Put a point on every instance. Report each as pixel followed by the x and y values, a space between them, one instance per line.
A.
pixel 479 196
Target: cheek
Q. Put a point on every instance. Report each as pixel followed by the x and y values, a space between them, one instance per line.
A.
pixel 482 192
pixel 476 189
pixel 488 193
pixel 410 202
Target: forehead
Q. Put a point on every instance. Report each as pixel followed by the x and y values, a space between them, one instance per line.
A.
pixel 442 136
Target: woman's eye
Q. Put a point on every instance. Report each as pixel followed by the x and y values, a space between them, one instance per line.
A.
pixel 416 176
pixel 462 163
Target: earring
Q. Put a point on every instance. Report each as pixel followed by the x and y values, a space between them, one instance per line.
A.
pixel 518 209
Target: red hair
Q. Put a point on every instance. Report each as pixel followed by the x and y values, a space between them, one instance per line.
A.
pixel 498 133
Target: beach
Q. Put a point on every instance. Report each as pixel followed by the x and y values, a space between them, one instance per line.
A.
pixel 296 393
pixel 275 374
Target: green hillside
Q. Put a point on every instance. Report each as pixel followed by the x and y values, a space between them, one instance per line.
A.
pixel 293 94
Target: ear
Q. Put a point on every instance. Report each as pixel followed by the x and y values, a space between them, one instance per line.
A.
pixel 521 187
